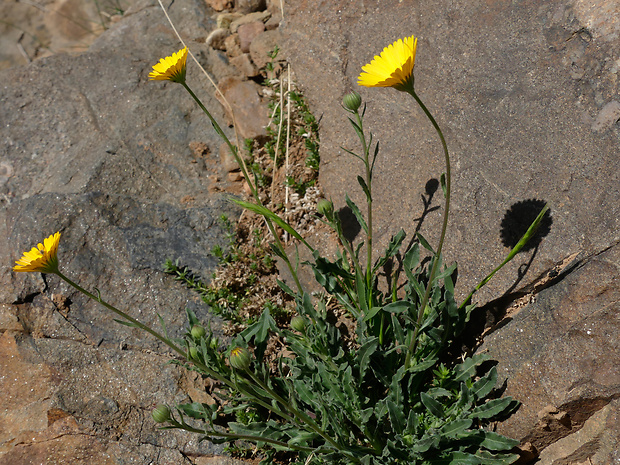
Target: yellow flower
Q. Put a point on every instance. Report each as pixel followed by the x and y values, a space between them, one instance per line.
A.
pixel 171 68
pixel 393 68
pixel 41 258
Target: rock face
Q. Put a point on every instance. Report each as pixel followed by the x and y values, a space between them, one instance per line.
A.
pixel 128 170
pixel 527 99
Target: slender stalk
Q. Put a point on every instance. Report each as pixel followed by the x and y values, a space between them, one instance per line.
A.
pixel 365 149
pixel 253 189
pixel 234 436
pixel 213 374
pixel 444 227
pixel 515 250
pixel 299 415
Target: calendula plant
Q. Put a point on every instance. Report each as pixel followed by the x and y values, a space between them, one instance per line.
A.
pixel 387 392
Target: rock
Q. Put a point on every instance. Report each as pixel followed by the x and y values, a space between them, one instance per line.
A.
pixel 93 149
pixel 250 114
pixel 559 355
pixel 263 45
pixel 250 6
pixel 244 65
pixel 249 18
pixel 224 20
pixel 247 33
pixel 233 48
pixel 607 117
pixel 273 22
pixel 217 38
pixel 502 104
pixel 219 5
pixel 526 106
pixel 227 160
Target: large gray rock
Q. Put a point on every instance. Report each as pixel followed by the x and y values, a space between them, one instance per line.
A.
pixel 527 97
pixel 518 92
pixel 124 168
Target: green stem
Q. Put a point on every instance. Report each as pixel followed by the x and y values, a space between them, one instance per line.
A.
pixel 365 149
pixel 234 436
pixel 299 415
pixel 253 189
pixel 436 260
pixel 213 374
pixel 515 250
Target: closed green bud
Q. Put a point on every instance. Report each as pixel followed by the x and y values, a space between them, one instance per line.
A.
pixel 240 358
pixel 214 343
pixel 298 323
pixel 193 352
pixel 161 414
pixel 198 332
pixel 325 208
pixel 352 101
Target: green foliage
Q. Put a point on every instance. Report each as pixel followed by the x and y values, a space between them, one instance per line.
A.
pixel 389 390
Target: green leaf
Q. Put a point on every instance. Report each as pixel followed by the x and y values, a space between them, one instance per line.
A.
pixel 194 410
pixel 492 408
pixel 285 288
pixel 442 181
pixel 264 211
pixel 392 249
pixel 372 312
pixel 363 355
pixel 362 183
pixel 494 441
pixel 485 385
pixel 260 329
pixel 456 429
pixel 397 417
pixel 399 306
pixel 422 366
pixel 358 215
pixel 467 369
pixel 360 285
pixel 433 406
pixel 425 243
pixel 412 258
pixel 126 323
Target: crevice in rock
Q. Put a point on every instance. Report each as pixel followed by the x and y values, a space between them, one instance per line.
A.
pixel 557 423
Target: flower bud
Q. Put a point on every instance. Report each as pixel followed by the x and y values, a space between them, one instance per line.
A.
pixel 193 352
pixel 240 358
pixel 161 414
pixel 298 323
pixel 352 101
pixel 198 332
pixel 325 207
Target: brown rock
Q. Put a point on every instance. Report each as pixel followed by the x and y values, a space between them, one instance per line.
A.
pixel 262 16
pixel 249 6
pixel 217 38
pixel 560 357
pixel 223 21
pixel 227 159
pixel 231 43
pixel 245 65
pixel 274 21
pixel 219 5
pixel 248 32
pixel 263 45
pixel 250 114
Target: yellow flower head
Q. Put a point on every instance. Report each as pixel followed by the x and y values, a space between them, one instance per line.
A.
pixel 393 68
pixel 41 258
pixel 171 68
